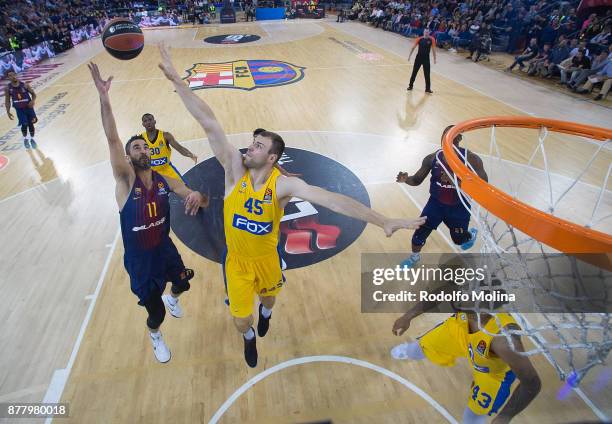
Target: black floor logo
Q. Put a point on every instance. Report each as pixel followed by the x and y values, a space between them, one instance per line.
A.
pixel 232 39
pixel 309 233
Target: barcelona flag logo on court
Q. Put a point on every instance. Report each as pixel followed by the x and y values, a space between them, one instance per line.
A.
pixel 243 74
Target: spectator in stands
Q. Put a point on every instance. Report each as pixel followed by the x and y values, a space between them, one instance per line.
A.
pixel 378 17
pixel 604 76
pixel 588 22
pixel 599 63
pixel 550 32
pixel 485 45
pixel 558 54
pixel 443 39
pixel 250 12
pixel 582 45
pixel 474 28
pixel 542 57
pixel 474 45
pixel 355 10
pixel 5 65
pixel 573 65
pixel 529 53
pixel 601 40
pixel 463 39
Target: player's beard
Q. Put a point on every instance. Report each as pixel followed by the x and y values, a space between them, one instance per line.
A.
pixel 249 163
pixel 142 163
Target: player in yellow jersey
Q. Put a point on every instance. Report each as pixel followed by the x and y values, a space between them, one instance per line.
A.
pixel 255 197
pixel 495 364
pixel 161 144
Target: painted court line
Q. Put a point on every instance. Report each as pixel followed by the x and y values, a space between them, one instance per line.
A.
pixel 60 377
pixel 330 358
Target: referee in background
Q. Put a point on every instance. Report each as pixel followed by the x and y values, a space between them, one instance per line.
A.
pixel 426 44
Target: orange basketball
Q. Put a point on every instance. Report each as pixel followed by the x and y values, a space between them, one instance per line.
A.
pixel 123 39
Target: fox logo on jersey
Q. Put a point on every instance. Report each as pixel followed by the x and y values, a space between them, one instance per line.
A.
pixel 159 161
pixel 253 227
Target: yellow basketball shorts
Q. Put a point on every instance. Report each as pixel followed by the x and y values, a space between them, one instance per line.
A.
pixel 443 344
pixel 168 171
pixel 247 277
pixel 489 394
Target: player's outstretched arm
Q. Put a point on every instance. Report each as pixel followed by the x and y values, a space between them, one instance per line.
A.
pixel 7 103
pixel 229 157
pixel 294 187
pixel 478 166
pixel 529 381
pixel 420 175
pixel 178 147
pixel 122 170
pixel 32 94
pixel 194 200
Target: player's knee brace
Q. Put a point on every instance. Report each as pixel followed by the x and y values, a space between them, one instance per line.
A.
pixel 460 236
pixel 181 283
pixel 155 319
pixel 421 234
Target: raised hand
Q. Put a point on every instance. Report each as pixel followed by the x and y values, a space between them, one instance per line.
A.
pixel 166 64
pixel 102 85
pixel 194 201
pixel 392 225
pixel 401 325
pixel 402 177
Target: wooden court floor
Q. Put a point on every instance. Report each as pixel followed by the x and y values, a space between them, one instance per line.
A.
pixel 71 327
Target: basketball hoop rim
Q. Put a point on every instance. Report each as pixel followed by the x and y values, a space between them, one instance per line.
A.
pixel 558 233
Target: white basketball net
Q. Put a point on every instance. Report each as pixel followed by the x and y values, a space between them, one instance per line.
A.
pixel 574 342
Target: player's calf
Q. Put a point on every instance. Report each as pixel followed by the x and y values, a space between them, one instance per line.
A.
pixel 244 326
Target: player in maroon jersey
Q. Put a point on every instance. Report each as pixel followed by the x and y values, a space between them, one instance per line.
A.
pixel 150 258
pixel 22 97
pixel 444 204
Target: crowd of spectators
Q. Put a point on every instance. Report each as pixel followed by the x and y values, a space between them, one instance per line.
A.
pixel 552 38
pixel 62 23
pixel 26 23
pixel 33 30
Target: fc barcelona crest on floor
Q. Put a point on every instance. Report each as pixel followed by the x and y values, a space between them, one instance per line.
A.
pixel 243 74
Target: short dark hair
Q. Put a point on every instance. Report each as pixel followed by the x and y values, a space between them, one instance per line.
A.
pixel 147 114
pixel 129 142
pixel 278 144
pixel 258 131
pixel 447 129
